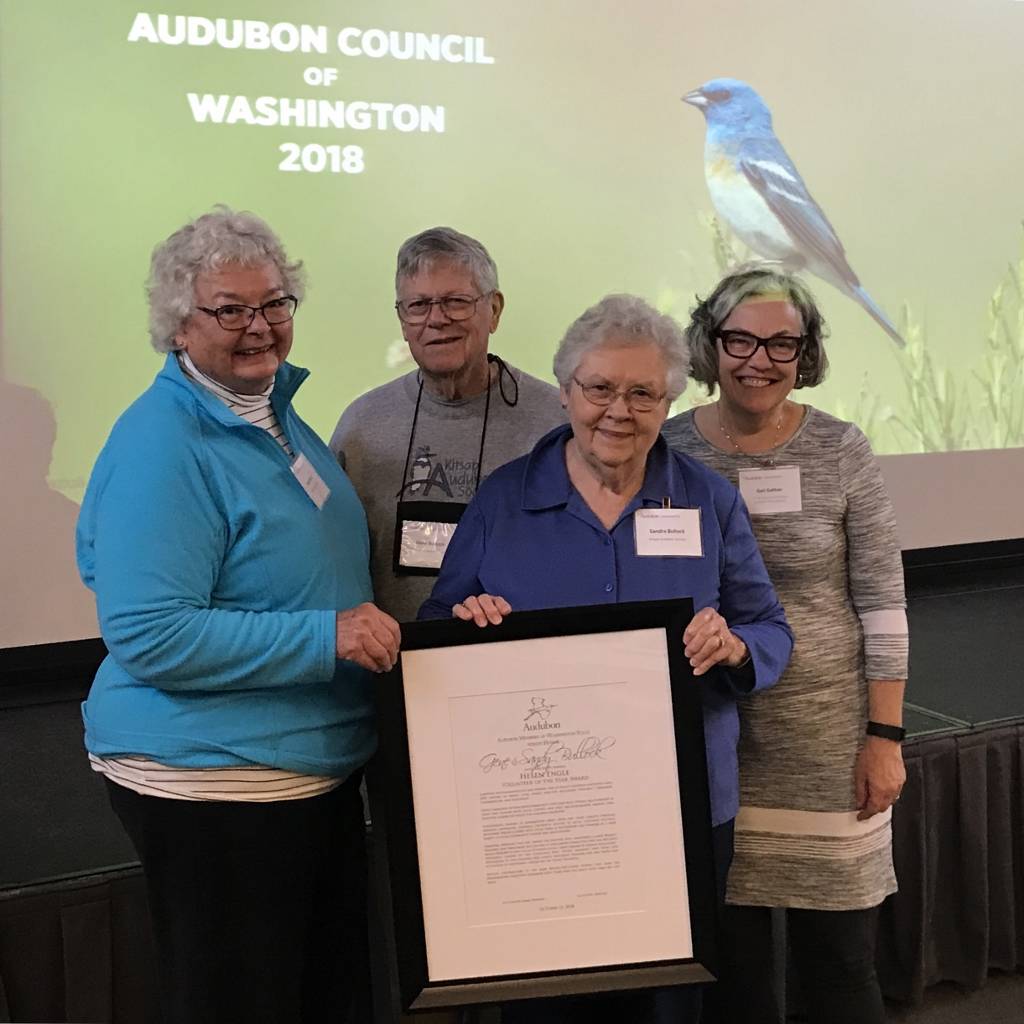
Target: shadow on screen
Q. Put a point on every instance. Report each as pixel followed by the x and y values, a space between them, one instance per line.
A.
pixel 42 600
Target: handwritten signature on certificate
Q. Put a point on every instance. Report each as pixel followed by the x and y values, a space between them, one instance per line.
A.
pixel 554 752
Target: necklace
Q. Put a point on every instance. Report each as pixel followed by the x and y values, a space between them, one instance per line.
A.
pixel 769 454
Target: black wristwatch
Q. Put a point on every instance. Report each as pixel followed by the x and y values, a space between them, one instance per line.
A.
pixel 887 732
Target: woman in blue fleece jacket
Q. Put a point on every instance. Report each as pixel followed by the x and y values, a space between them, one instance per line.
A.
pixel 232 717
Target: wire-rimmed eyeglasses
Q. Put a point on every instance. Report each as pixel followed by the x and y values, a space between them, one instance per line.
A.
pixel 455 307
pixel 637 398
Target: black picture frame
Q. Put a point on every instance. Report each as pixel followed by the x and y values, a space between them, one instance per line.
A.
pixel 392 808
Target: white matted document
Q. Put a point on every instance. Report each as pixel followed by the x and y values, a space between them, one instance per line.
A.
pixel 547 804
pixel 554 781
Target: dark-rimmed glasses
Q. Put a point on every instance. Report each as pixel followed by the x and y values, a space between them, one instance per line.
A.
pixel 455 307
pixel 638 399
pixel 237 317
pixel 782 348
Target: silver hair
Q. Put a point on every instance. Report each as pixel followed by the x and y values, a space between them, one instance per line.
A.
pixel 628 318
pixel 215 239
pixel 735 288
pixel 446 245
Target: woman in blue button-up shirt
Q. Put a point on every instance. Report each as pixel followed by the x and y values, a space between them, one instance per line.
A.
pixel 558 527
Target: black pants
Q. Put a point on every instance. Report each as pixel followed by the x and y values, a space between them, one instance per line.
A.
pixel 258 909
pixel 679 1005
pixel 834 955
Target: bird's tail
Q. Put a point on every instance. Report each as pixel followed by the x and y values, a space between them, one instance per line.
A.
pixel 860 295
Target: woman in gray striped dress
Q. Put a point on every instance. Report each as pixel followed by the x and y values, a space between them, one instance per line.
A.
pixel 820 756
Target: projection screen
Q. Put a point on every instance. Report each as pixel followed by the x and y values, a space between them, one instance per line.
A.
pixel 558 135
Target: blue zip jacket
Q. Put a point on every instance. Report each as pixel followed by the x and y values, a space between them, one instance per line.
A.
pixel 217 581
pixel 529 537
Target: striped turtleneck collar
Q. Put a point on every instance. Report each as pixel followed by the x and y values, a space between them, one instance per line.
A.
pixel 234 399
pixel 254 409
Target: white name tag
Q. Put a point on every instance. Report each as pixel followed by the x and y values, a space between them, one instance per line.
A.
pixel 668 531
pixel 304 472
pixel 423 544
pixel 768 491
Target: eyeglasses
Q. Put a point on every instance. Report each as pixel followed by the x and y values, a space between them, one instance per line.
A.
pixel 636 398
pixel 237 317
pixel 455 307
pixel 783 348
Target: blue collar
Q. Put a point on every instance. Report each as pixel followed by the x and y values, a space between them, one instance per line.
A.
pixel 546 480
pixel 287 381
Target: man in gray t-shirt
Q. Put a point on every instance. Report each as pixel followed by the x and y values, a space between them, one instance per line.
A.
pixel 417 448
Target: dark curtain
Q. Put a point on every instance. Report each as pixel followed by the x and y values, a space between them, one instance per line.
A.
pixel 958 834
pixel 78 950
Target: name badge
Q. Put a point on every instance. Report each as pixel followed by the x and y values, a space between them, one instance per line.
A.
pixel 423 544
pixel 770 491
pixel 672 532
pixel 423 530
pixel 309 478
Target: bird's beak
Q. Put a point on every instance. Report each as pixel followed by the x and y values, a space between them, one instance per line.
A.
pixel 696 99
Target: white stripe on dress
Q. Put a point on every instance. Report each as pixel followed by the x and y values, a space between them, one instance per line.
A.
pixel 785 821
pixel 885 639
pixel 885 622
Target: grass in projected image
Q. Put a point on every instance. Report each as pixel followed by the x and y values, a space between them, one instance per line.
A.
pixel 976 404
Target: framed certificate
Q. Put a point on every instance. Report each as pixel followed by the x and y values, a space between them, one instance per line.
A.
pixel 542 785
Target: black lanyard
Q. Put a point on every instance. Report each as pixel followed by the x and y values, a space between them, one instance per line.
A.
pixel 503 371
pixel 424 528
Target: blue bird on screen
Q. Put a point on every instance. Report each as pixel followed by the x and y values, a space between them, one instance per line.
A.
pixel 760 195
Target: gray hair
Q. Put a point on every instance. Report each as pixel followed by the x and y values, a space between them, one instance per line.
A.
pixel 629 318
pixel 446 245
pixel 735 288
pixel 217 238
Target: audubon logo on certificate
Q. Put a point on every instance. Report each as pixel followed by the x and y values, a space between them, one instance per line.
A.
pixel 538 715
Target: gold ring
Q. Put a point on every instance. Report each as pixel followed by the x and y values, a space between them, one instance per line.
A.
pixel 721 643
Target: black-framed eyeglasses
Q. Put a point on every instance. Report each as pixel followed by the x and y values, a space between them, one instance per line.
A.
pixel 783 348
pixel 237 317
pixel 639 399
pixel 455 307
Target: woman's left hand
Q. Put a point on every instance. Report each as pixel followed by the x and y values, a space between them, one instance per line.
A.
pixel 879 776
pixel 709 641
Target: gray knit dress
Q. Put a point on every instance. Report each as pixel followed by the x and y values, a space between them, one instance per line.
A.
pixel 836 565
